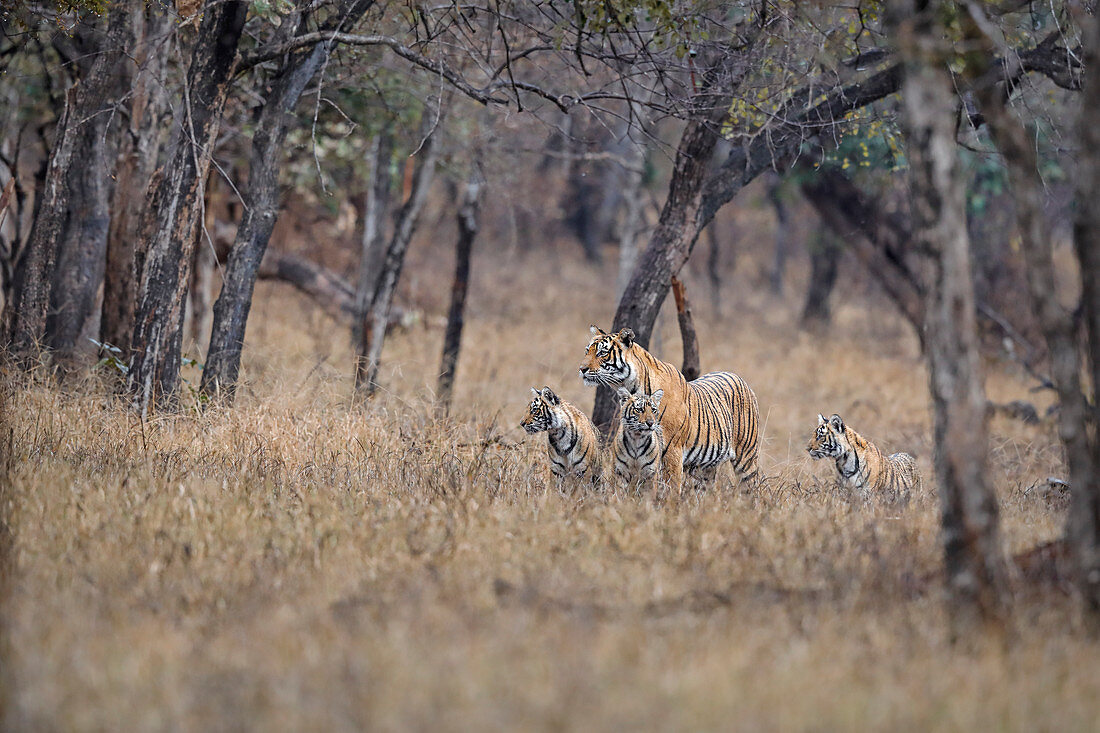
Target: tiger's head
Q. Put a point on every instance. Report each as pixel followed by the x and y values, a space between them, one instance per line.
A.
pixel 541 411
pixel 604 359
pixel 640 411
pixel 829 439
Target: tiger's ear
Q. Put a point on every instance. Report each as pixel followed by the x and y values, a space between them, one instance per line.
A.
pixel 656 397
pixel 836 423
pixel 624 395
pixel 820 419
pixel 535 392
pixel 550 397
pixel 596 330
pixel 626 337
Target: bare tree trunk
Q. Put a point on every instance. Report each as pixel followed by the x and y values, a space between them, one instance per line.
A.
pixel 452 339
pixel 139 150
pixel 31 292
pixel 174 210
pixel 375 211
pixel 971 533
pixel 688 337
pixel 782 233
pixel 82 241
pixel 379 311
pixel 223 359
pixel 1083 521
pixel 825 252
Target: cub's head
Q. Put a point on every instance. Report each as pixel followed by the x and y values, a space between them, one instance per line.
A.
pixel 640 411
pixel 540 412
pixel 604 361
pixel 828 440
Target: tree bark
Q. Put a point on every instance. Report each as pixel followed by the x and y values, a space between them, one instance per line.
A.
pixel 223 358
pixel 82 240
pixel 153 377
pixel 1083 521
pixel 375 211
pixel 379 311
pixel 825 253
pixel 452 339
pixel 139 151
pixel 969 515
pixel 714 274
pixel 31 291
pixel 688 337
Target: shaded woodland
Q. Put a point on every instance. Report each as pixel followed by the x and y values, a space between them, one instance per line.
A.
pixel 150 154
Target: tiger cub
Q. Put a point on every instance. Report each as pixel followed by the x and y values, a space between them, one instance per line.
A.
pixel 639 441
pixel 861 465
pixel 573 442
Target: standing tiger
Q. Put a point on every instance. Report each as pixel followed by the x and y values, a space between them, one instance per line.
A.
pixel 861 466
pixel 705 422
pixel 636 449
pixel 573 442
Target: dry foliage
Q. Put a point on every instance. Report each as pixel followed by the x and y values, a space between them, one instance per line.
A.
pixel 304 562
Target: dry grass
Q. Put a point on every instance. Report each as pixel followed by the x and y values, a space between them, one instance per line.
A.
pixel 301 562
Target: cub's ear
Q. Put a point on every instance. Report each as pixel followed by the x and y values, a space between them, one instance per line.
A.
pixel 596 330
pixel 624 395
pixel 820 419
pixel 549 396
pixel 626 337
pixel 836 423
pixel 656 397
pixel 535 392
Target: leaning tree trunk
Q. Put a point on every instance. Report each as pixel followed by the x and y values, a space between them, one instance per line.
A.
pixel 173 212
pixel 968 507
pixel 379 312
pixel 376 208
pixel 675 233
pixel 1083 522
pixel 223 358
pixel 139 151
pixel 82 242
pixel 452 339
pixel 692 201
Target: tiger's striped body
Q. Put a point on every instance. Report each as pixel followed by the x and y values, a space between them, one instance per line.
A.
pixel 638 444
pixel 573 444
pixel 860 465
pixel 704 422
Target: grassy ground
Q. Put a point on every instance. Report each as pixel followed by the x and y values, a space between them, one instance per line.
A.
pixel 303 562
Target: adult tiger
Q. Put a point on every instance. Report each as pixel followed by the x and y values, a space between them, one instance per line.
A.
pixel 861 466
pixel 573 443
pixel 705 422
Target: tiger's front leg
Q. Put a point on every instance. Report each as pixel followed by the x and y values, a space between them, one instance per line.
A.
pixel 672 470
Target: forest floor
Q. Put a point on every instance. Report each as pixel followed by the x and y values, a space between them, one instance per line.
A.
pixel 301 561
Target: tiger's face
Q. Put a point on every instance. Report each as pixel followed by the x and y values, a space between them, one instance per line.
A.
pixel 604 361
pixel 828 439
pixel 640 412
pixel 540 412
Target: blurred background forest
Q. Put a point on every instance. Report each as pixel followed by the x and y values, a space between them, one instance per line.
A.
pixel 275 278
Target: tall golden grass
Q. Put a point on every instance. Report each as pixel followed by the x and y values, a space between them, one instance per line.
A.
pixel 301 561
